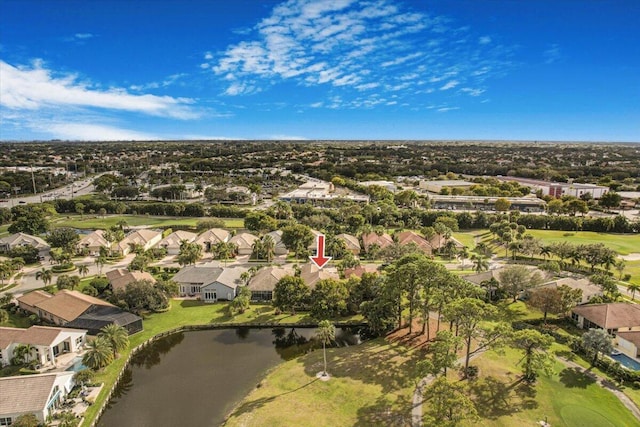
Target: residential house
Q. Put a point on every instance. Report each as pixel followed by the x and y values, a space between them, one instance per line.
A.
pixel 311 274
pixel 280 248
pixel 589 290
pixel 264 281
pixel 97 317
pixel 360 270
pixel 212 237
pixel 143 238
pixel 92 243
pixel 66 307
pixel 33 394
pixel 438 241
pixel 120 278
pixel 628 343
pixel 407 237
pixel 244 242
pixel 224 286
pixel 173 241
pixel 351 243
pixel 46 343
pixel 381 241
pixel 613 317
pixel 22 239
pixel 192 278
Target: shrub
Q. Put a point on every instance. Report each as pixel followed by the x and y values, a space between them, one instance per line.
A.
pixel 63 268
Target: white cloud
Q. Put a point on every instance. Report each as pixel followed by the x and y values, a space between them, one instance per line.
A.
pixel 33 88
pixel 83 35
pixel 287 137
pixel 371 46
pixel 445 109
pixel 450 85
pixel 552 54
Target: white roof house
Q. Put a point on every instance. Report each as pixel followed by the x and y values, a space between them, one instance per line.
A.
pixel 173 241
pixel 33 394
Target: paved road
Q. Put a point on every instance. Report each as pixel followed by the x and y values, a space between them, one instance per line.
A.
pixel 77 188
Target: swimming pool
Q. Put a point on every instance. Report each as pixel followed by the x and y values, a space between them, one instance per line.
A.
pixel 77 365
pixel 626 361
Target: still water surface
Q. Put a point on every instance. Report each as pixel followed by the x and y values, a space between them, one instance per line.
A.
pixel 195 378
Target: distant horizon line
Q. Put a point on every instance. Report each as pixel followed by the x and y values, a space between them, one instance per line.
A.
pixel 454 140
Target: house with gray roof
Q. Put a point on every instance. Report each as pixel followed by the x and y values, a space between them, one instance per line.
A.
pixel 224 286
pixel 209 283
pixel 33 394
pixel 264 281
pixel 22 239
pixel 192 278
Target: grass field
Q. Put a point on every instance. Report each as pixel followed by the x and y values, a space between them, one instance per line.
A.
pixel 624 244
pixel 371 384
pixel 97 222
pixel 565 398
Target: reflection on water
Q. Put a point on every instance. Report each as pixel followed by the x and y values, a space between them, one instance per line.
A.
pixel 195 378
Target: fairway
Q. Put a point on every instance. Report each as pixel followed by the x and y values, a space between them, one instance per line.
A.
pixel 579 416
pixel 89 222
pixel 624 244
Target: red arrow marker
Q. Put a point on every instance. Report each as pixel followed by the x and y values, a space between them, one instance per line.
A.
pixel 320 260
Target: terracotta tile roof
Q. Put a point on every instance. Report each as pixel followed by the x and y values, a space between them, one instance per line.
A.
pixel 33 298
pixel 611 316
pixel 372 238
pixel 174 240
pixel 68 305
pixel 406 237
pixel 243 240
pixel 351 242
pixel 311 274
pixel 93 239
pixel 120 278
pixel 214 235
pixel 360 270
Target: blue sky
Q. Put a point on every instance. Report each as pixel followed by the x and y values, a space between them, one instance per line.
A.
pixel 320 69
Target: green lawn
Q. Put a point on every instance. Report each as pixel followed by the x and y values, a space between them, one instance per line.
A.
pixel 16 321
pixel 565 398
pixel 188 312
pixel 97 222
pixel 4 230
pixel 371 384
pixel 624 244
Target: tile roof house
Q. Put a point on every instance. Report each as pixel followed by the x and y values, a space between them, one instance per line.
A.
pixel 211 237
pixel 145 238
pixel 173 241
pixel 66 306
pixel 280 248
pixel 264 281
pixel 47 343
pixel 244 242
pixel 33 394
pixel 613 317
pixel 92 243
pixel 408 236
pixel 628 342
pixel 382 241
pixel 589 290
pixel 311 274
pixel 437 242
pixel 22 239
pixel 224 286
pixel 360 270
pixel 351 243
pixel 192 278
pixel 120 278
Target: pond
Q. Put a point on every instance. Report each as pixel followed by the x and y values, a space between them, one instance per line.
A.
pixel 196 378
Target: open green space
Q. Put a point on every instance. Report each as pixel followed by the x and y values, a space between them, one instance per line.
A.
pixel 371 384
pixel 91 222
pixel 567 397
pixel 624 244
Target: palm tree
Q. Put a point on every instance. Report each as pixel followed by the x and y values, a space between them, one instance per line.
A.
pixel 83 269
pixel 4 316
pixel 545 251
pixel 480 263
pixel 100 262
pixel 258 249
pixel 620 266
pixel 633 288
pixel 98 354
pixel 268 247
pixel 326 333
pixel 21 354
pixel 116 336
pixel 463 254
pixel 45 275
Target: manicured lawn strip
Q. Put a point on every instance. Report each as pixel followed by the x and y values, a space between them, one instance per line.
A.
pixel 16 321
pixel 468 237
pixel 182 313
pixel 96 222
pixel 566 397
pixel 4 230
pixel 632 268
pixel 371 384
